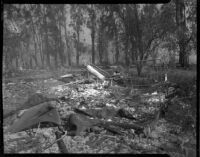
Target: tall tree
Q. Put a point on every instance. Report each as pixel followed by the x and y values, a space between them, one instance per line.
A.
pixel 183 34
pixel 91 23
pixel 100 39
pixel 113 24
pixel 76 23
pixel 67 38
pixel 105 31
pixel 16 31
pixel 46 11
pixel 123 13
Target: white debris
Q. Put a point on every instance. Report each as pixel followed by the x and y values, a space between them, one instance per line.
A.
pixel 67 75
pixel 154 93
pixel 105 83
pixel 58 88
pixel 132 109
pixel 165 77
pixel 11 83
pixel 90 92
pixel 38 91
pixel 46 133
pixel 153 100
pixel 83 108
pixel 133 131
pixel 106 93
pixel 21 112
pixel 110 105
pixel 98 108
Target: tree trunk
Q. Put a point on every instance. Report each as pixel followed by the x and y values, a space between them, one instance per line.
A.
pixel 139 44
pixel 30 63
pixel 47 45
pixel 56 62
pixel 35 47
pixel 6 58
pixel 105 48
pixel 40 43
pixel 183 57
pixel 100 46
pixel 133 51
pixel 77 49
pixel 30 55
pixel 116 47
pixel 92 16
pixel 35 59
pixel 17 63
pixel 126 52
pixel 93 50
pixel 55 54
pixel 132 56
pixel 47 56
pixel 139 68
pixel 126 44
pixel 66 40
pixel 181 33
pixel 61 46
pixel 68 47
pixel 68 51
pixel 21 54
pixel 41 48
pixel 34 39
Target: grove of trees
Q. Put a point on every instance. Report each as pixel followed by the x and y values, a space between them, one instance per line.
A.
pixel 48 35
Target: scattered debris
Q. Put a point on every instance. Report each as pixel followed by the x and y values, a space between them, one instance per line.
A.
pixel 96 116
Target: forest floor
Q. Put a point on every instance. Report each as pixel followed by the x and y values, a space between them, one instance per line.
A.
pixel 173 134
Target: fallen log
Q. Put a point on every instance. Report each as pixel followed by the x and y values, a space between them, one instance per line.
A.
pixel 125 114
pixel 77 123
pixel 67 78
pixel 101 70
pixel 125 125
pixel 106 113
pixel 45 112
pixel 83 112
pixel 32 101
pixel 112 129
pixel 98 72
pixel 95 72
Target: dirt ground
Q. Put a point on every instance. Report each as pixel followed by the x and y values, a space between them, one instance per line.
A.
pixel 173 134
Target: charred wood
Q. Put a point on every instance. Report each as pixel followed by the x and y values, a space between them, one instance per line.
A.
pixel 60 142
pixel 32 101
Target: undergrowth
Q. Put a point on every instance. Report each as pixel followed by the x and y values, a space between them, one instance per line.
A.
pixel 186 80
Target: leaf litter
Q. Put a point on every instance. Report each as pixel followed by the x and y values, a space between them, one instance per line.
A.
pixel 166 137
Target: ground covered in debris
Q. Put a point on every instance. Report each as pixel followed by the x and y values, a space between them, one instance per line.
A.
pixel 173 134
